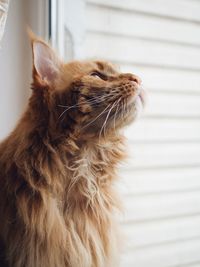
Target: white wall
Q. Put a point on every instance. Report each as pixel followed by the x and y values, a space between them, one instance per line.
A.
pixel 15 69
pixel 15 59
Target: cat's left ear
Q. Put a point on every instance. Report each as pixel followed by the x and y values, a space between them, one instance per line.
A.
pixel 46 63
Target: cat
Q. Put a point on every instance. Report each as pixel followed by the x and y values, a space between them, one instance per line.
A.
pixel 58 166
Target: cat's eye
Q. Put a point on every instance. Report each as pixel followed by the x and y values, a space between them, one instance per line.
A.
pixel 98 75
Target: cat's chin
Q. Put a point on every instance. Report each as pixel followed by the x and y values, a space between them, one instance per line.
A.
pixel 136 107
pixel 140 100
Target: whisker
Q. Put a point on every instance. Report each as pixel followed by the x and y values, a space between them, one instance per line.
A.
pixel 116 113
pixel 104 124
pixel 124 108
pixel 94 101
pixel 116 105
pixel 97 116
pixel 124 111
pixel 66 111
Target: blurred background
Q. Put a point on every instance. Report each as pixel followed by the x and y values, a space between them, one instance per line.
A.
pixel 159 40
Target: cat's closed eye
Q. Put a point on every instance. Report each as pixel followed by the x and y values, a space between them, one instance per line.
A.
pixel 97 74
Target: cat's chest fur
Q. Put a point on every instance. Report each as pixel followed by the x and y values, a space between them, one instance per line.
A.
pixel 64 205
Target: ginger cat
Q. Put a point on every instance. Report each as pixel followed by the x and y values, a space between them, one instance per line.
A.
pixel 58 166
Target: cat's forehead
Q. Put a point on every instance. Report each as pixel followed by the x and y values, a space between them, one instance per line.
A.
pixel 107 67
pixel 85 67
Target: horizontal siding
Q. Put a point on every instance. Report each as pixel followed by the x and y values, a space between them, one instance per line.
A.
pixel 99 19
pixel 146 52
pixel 176 9
pixel 160 206
pixel 163 231
pixel 164 130
pixel 175 105
pixel 163 155
pixel 181 254
pixel 160 181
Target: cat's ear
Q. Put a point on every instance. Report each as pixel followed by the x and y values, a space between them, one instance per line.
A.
pixel 46 64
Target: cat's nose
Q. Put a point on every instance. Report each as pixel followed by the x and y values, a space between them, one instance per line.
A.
pixel 132 77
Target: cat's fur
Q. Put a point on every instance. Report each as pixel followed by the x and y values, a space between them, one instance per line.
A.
pixel 57 168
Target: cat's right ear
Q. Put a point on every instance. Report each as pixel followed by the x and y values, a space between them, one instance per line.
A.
pixel 46 64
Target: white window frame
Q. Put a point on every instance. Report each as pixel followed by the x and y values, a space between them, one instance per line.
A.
pixel 67 34
pixel 39 17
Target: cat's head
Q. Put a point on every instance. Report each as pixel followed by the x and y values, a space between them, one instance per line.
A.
pixel 88 98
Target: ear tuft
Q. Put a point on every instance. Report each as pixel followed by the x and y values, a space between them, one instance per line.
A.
pixel 46 63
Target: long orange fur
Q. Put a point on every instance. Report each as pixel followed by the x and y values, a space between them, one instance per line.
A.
pixel 57 196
